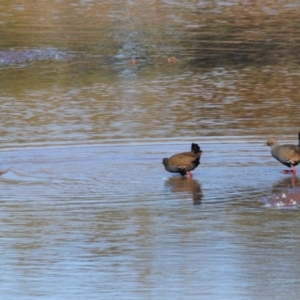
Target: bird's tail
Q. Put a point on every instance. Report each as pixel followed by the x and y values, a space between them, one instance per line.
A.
pixel 196 148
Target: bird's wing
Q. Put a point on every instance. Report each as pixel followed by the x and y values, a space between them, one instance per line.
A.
pixel 183 159
pixel 290 153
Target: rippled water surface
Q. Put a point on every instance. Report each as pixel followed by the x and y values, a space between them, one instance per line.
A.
pixel 93 95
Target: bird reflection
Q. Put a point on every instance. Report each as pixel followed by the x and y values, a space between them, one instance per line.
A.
pixel 285 193
pixel 287 182
pixel 185 185
pixel 3 172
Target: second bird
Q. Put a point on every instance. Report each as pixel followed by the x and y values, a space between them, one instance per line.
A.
pixel 288 155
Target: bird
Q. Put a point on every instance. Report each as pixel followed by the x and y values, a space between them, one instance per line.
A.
pixel 184 163
pixel 288 155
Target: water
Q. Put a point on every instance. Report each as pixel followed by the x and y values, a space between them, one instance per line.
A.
pixel 87 208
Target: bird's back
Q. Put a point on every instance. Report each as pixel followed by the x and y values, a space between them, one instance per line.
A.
pixel 286 154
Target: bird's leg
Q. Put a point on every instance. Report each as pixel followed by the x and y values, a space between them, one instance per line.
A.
pixel 293 180
pixel 190 175
pixel 289 171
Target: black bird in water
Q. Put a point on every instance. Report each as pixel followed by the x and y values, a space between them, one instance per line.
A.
pixel 184 163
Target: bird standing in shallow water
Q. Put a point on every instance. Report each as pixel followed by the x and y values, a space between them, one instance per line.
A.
pixel 288 155
pixel 184 163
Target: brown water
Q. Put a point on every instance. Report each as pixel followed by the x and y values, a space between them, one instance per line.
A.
pixel 87 209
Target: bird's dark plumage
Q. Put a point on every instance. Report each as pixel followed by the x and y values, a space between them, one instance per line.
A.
pixel 184 163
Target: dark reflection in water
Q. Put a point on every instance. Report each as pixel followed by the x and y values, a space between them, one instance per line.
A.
pixel 185 187
pixel 289 181
pixel 285 193
pixel 236 70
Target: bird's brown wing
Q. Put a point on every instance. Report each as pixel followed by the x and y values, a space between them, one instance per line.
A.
pixel 290 153
pixel 295 155
pixel 182 159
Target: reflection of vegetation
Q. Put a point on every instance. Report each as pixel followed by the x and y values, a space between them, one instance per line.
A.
pixel 237 70
pixel 209 33
pixel 255 33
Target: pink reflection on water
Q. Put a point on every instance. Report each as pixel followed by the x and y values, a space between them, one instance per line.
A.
pixel 286 197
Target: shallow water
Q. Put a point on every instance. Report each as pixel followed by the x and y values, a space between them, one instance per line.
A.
pixel 108 220
pixel 87 209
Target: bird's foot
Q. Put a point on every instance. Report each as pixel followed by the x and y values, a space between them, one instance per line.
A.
pixel 190 175
pixel 288 171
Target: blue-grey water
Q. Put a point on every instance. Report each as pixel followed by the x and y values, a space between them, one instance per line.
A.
pixel 93 95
